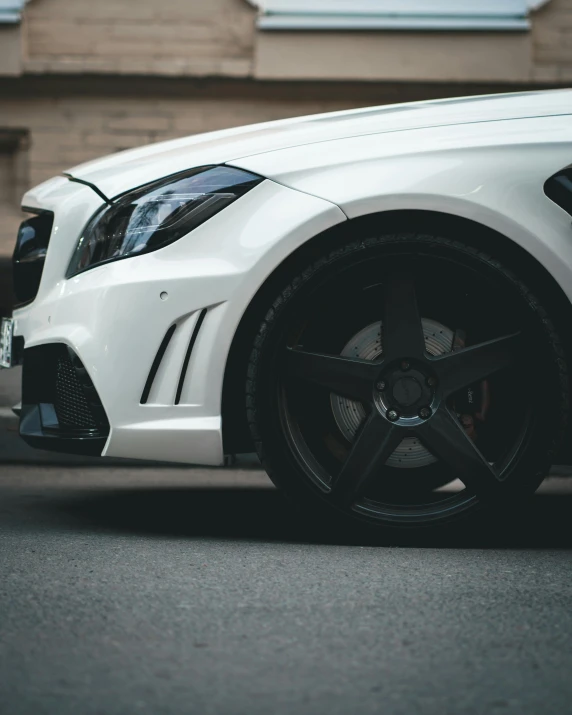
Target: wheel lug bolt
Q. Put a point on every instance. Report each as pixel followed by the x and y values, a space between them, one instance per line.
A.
pixel 380 386
pixel 405 365
pixel 431 381
pixel 425 413
pixel 392 415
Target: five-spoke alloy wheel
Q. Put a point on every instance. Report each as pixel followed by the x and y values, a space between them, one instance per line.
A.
pixel 389 382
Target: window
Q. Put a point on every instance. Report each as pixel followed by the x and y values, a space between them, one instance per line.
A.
pixel 436 15
pixel 11 11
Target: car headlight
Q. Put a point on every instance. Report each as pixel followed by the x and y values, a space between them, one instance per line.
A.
pixel 157 214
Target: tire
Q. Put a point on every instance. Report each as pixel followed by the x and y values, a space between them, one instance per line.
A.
pixel 406 380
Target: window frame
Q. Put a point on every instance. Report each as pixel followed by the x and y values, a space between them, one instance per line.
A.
pixel 400 15
pixel 11 11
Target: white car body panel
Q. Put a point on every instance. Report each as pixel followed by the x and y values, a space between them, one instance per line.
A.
pixel 485 159
pixel 492 173
pixel 123 171
pixel 114 319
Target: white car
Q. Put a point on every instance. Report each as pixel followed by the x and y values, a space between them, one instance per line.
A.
pixel 377 301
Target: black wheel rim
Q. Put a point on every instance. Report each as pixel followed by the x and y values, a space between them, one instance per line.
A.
pixel 407 393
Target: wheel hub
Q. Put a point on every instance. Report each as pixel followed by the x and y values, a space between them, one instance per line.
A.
pixel 406 391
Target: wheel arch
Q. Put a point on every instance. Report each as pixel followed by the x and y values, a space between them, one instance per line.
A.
pixel 236 436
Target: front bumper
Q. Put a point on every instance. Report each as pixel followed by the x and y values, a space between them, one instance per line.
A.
pixel 61 409
pixel 11 347
pixel 115 318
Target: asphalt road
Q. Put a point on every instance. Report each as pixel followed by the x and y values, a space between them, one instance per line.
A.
pixel 151 590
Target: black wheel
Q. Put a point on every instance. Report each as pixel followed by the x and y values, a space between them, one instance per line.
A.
pixel 406 380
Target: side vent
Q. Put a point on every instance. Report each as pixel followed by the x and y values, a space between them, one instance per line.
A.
pixel 188 354
pixel 157 363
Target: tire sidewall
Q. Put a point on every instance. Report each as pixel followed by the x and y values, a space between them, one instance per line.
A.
pixel 549 396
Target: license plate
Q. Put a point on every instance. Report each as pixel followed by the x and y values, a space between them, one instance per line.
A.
pixel 6 335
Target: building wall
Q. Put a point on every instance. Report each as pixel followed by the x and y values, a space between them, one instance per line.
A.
pixel 552 43
pixel 544 54
pixel 197 38
pixel 10 50
pixel 191 38
pixel 394 56
pixel 171 37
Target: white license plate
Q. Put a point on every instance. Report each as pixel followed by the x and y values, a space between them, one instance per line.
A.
pixel 6 334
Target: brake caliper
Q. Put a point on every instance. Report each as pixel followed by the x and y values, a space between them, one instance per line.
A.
pixel 472 402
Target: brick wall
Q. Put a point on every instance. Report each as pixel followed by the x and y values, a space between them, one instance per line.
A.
pixel 218 38
pixel 544 54
pixel 552 42
pixel 174 37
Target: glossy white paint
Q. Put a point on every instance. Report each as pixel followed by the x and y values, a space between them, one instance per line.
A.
pixel 485 159
pixel 123 171
pixel 114 318
pixel 492 173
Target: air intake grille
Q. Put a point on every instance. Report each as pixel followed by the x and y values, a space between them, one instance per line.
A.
pixel 55 378
pixel 29 256
pixel 71 405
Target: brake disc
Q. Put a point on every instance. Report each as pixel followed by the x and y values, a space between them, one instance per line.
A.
pixel 349 414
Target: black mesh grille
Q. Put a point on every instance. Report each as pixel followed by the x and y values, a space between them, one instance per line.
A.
pixel 54 377
pixel 71 404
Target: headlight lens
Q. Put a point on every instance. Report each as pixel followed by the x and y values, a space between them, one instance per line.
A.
pixel 158 214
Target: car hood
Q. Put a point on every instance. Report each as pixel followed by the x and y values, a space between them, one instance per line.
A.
pixel 120 172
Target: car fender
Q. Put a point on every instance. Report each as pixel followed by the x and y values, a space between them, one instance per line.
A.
pixel 491 173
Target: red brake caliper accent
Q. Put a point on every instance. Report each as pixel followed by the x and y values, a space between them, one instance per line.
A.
pixel 472 403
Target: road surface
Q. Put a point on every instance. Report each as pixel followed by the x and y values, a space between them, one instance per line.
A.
pixel 153 590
